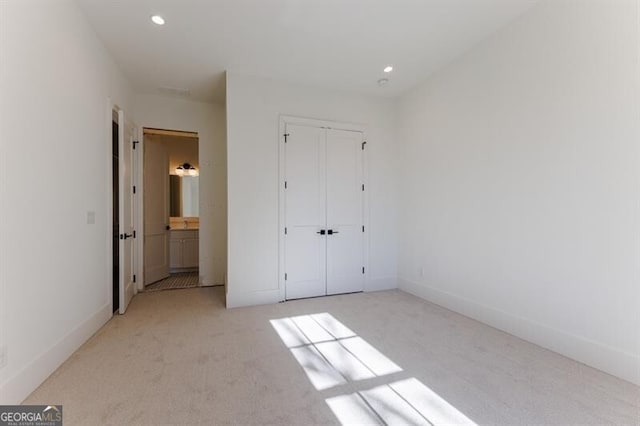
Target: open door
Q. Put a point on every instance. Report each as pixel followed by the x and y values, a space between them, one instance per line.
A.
pixel 156 211
pixel 126 194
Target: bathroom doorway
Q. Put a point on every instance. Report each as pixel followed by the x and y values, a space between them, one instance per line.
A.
pixel 171 209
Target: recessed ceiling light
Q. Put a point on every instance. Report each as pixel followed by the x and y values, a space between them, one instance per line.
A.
pixel 383 81
pixel 157 19
pixel 388 68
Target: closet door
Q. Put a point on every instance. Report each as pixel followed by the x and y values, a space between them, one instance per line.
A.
pixel 345 239
pixel 305 200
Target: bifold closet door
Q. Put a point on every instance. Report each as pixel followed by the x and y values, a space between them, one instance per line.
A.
pixel 345 246
pixel 305 215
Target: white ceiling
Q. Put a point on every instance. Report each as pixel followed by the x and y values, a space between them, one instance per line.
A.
pixel 337 44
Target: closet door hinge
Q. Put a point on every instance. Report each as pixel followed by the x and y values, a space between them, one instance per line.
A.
pixel 285 184
pixel 134 189
pixel 363 269
pixel 363 186
pixel 362 228
pixel 285 231
pixel 134 278
pixel 134 233
pixel 285 276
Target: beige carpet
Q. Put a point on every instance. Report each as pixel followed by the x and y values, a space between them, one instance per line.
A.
pixel 179 357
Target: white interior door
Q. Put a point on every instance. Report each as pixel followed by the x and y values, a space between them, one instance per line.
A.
pixel 305 217
pixel 156 211
pixel 125 149
pixel 345 237
pixel 323 207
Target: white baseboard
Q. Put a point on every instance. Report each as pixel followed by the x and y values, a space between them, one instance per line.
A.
pixel 236 300
pixel 208 282
pixel 25 381
pixel 381 283
pixel 595 354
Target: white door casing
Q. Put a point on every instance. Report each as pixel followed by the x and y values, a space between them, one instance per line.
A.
pixel 156 211
pixel 126 231
pixel 322 170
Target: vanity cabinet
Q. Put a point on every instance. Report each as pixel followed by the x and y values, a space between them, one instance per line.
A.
pixel 183 249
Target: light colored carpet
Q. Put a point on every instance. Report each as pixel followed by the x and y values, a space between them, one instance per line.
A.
pixel 175 281
pixel 181 358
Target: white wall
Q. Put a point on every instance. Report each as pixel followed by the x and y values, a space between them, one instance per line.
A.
pixel 253 109
pixel 55 166
pixel 520 173
pixel 209 121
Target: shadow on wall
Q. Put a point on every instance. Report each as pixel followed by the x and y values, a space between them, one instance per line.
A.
pixel 332 355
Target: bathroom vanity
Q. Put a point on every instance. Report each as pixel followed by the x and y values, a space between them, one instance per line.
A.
pixel 183 250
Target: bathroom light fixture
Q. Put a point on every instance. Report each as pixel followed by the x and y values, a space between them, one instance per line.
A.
pixel 388 68
pixel 157 19
pixel 186 169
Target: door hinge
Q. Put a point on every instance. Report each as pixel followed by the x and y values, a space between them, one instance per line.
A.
pixel 134 144
pixel 285 231
pixel 363 186
pixel 134 232
pixel 134 278
pixel 134 189
pixel 363 269
pixel 363 144
pixel 362 228
pixel 286 135
pixel 285 184
pixel 285 276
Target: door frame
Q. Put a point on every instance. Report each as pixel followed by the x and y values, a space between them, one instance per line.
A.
pixel 138 159
pixel 138 208
pixel 110 110
pixel 124 121
pixel 284 120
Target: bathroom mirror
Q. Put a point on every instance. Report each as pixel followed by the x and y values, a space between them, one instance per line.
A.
pixel 184 196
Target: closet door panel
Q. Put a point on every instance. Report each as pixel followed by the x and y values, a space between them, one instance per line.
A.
pixel 305 201
pixel 345 246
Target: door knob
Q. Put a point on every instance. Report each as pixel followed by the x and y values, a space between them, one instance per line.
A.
pixel 125 236
pixel 321 232
pixel 331 232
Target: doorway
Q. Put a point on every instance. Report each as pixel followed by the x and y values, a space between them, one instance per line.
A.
pixel 323 210
pixel 171 209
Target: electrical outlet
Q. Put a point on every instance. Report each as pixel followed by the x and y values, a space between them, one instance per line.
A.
pixel 3 357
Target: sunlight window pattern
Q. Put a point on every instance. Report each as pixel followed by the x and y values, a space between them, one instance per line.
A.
pixel 332 355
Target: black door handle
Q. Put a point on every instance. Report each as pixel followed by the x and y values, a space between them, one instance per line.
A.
pixel 125 236
pixel 331 232
pixel 321 232
pixel 167 227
